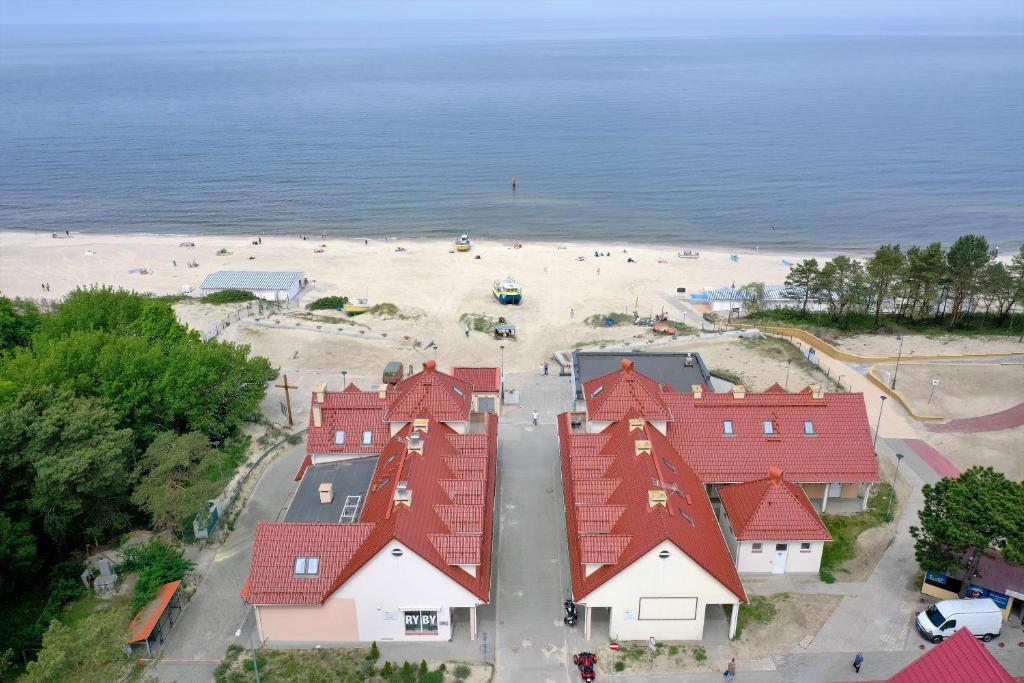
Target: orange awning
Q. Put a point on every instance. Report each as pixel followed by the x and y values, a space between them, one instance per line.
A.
pixel 144 622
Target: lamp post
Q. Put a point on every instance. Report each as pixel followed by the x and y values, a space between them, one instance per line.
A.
pixel 344 375
pixel 252 644
pixel 435 353
pixel 879 423
pixel 897 370
pixel 888 513
pixel 788 363
pixel 839 381
pixel 502 368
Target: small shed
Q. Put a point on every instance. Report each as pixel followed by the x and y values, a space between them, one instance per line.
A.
pixel 151 624
pixel 278 286
pixel 995 578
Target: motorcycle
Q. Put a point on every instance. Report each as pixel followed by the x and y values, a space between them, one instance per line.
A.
pixel 570 613
pixel 585 662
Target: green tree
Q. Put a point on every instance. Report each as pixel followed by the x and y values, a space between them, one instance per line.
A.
pixel 925 271
pixel 1000 290
pixel 90 651
pixel 800 282
pixel 964 516
pixel 883 272
pixel 173 485
pixel 1017 272
pixel 19 318
pixel 965 263
pixel 841 285
pixel 18 552
pixel 106 309
pixel 755 296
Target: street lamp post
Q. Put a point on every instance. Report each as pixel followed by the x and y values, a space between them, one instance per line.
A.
pixel 252 644
pixel 502 368
pixel 839 381
pixel 344 376
pixel 788 363
pixel 879 423
pixel 888 513
pixel 897 370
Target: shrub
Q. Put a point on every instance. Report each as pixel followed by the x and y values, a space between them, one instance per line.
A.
pixel 699 654
pixel 601 319
pixel 260 659
pixel 432 677
pixel 673 650
pixel 620 665
pixel 157 563
pixel 424 669
pixel 462 672
pixel 727 375
pixel 387 669
pixel 327 303
pixel 228 296
pixel 374 654
pixel 408 673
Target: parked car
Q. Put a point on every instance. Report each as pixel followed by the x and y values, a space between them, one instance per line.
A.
pixel 946 617
pixel 393 373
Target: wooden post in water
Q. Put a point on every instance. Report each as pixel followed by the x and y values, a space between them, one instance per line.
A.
pixel 287 397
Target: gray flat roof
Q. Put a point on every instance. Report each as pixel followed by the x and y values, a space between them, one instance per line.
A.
pixel 348 477
pixel 250 279
pixel 666 368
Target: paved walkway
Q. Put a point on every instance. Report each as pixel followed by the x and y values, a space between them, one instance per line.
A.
pixel 1004 419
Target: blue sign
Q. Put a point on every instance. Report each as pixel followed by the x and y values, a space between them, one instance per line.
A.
pixel 976 591
pixel 937 579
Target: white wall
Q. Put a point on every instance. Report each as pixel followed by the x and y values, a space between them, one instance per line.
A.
pixel 650 576
pixel 797 561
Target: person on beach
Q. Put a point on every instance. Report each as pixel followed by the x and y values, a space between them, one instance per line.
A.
pixel 572 313
pixel 857 661
pixel 536 418
pixel 175 263
pixel 465 329
pixel 730 671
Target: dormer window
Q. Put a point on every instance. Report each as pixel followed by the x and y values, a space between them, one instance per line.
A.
pixel 808 428
pixel 367 437
pixel 339 438
pixel 307 566
pixel 727 428
pixel 769 428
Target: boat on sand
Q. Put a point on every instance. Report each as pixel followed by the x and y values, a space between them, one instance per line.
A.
pixel 360 305
pixel 462 244
pixel 507 291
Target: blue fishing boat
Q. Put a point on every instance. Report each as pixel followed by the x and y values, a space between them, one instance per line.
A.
pixel 507 291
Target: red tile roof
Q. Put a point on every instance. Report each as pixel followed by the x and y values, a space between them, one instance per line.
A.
pixel 609 519
pixel 430 394
pixel 960 658
pixel 625 391
pixel 840 450
pixel 772 509
pixel 352 411
pixel 450 520
pixel 482 379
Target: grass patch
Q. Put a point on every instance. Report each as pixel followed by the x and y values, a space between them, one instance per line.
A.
pixel 333 303
pixel 386 310
pixel 728 375
pixel 600 319
pixel 846 528
pixel 228 296
pixel 861 323
pixel 761 610
pixel 340 665
pixel 479 322
pixel 700 654
pixel 596 342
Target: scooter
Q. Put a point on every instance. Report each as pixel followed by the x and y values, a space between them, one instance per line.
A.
pixel 585 662
pixel 570 613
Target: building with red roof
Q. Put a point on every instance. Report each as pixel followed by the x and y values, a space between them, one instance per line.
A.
pixel 821 440
pixel 486 383
pixel 643 540
pixel 958 659
pixel 771 527
pixel 408 541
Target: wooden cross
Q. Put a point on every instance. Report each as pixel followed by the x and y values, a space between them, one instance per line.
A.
pixel 287 397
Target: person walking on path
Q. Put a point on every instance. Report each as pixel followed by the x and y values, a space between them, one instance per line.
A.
pixel 730 671
pixel 536 418
pixel 857 661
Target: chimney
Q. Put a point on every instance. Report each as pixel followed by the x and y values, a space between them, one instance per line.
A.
pixel 321 389
pixel 421 424
pixel 430 366
pixel 657 497
pixel 817 391
pixel 415 443
pixel 739 392
pixel 317 417
pixel 642 447
pixel 698 391
pixel 382 391
pixel 627 365
pixel 403 494
pixel 775 473
pixel 327 493
pixel 635 423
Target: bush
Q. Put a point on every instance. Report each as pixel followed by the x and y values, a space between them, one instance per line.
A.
pixel 727 375
pixel 620 665
pixel 387 669
pixel 673 650
pixel 228 296
pixel 408 674
pixel 432 677
pixel 699 654
pixel 374 654
pixel 600 319
pixel 462 672
pixel 384 310
pixel 327 303
pixel 478 322
pixel 260 659
pixel 157 563
pixel 424 669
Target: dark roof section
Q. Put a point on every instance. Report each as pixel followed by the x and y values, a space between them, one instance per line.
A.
pixel 663 368
pixel 347 477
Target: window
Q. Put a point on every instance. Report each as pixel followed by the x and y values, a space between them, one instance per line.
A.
pixel 808 428
pixel 781 546
pixel 769 427
pixel 459 391
pixel 367 437
pixel 339 438
pixel 805 547
pixel 383 482
pixel 727 428
pixel 307 566
pixel 597 391
pixel 669 465
pixel 391 459
pixel 755 548
pixel 421 622
pixel 949 624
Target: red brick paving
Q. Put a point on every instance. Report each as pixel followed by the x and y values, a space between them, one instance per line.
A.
pixel 1004 419
pixel 937 461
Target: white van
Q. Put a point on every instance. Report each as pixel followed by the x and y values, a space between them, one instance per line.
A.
pixel 946 617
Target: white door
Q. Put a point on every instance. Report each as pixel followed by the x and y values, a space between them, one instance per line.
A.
pixel 779 563
pixel 835 490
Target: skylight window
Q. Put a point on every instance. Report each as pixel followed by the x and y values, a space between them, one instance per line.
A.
pixel 808 428
pixel 459 391
pixel 597 391
pixel 769 427
pixel 367 437
pixel 727 428
pixel 383 482
pixel 307 566
pixel 339 438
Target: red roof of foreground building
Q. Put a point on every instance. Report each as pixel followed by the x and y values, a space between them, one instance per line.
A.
pixel 960 658
pixel 353 412
pixel 608 515
pixel 448 522
pixel 481 379
pixel 625 391
pixel 430 394
pixel 772 509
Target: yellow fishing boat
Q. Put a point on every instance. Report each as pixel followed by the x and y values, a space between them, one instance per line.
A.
pixel 361 305
pixel 462 244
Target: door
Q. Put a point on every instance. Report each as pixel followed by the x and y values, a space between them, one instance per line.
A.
pixel 835 490
pixel 779 563
pixel 485 404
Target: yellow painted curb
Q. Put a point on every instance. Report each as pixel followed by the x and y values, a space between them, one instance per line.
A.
pixel 876 380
